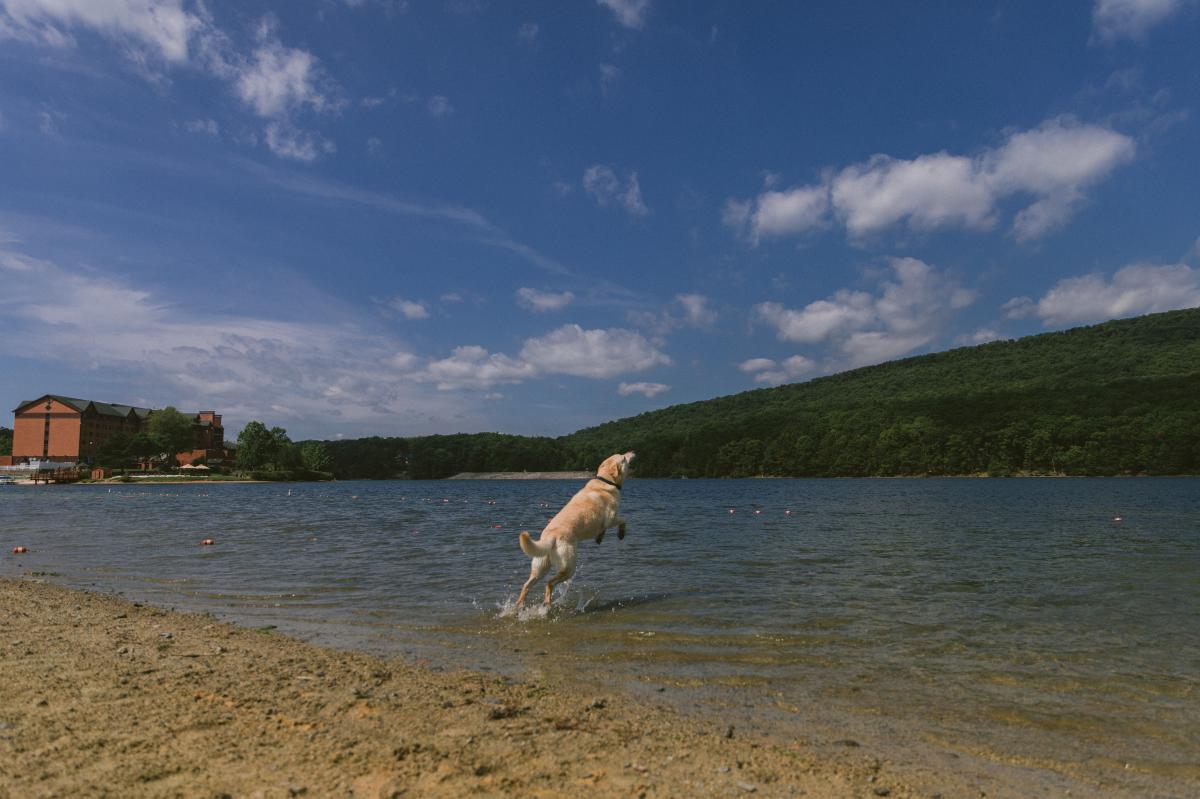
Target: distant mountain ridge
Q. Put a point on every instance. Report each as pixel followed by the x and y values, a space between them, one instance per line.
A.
pixel 1122 397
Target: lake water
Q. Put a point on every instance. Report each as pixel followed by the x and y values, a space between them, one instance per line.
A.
pixel 1041 626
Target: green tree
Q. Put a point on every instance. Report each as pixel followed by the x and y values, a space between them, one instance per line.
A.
pixel 173 429
pixel 315 456
pixel 113 451
pixel 6 437
pixel 144 446
pixel 255 446
pixel 284 454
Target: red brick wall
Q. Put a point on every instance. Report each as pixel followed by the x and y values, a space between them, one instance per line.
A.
pixel 29 431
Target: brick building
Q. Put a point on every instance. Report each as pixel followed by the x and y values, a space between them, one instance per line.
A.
pixel 57 428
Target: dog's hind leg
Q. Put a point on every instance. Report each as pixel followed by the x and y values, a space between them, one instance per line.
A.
pixel 537 570
pixel 566 569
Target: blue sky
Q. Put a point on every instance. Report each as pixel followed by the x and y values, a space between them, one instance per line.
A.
pixel 354 217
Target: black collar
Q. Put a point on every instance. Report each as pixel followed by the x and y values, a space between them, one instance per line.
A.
pixel 606 480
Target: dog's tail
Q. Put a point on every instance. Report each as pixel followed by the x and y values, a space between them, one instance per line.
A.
pixel 533 549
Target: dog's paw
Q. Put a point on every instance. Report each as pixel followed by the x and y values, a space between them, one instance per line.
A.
pixel 621 532
pixel 600 537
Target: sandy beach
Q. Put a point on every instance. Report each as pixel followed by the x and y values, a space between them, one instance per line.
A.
pixel 104 697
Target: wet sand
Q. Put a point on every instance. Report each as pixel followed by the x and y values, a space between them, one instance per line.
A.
pixel 104 697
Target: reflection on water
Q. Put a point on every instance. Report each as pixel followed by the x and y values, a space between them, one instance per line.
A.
pixel 1015 620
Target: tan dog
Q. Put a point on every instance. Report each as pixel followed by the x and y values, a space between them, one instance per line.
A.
pixel 589 513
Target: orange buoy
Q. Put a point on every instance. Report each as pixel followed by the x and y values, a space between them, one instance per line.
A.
pixel 20 550
pixel 208 542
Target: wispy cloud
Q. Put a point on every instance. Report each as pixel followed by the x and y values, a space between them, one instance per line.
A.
pixel 1132 19
pixel 249 366
pixel 410 309
pixel 275 82
pixel 161 28
pixel 439 106
pixel 527 32
pixel 630 13
pixel 543 301
pixel 603 185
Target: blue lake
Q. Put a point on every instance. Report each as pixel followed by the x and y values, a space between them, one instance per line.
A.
pixel 1050 625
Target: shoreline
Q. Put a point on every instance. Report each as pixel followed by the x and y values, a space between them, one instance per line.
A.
pixel 522 476
pixel 103 694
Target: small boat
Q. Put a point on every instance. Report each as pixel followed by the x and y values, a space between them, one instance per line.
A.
pixel 5 480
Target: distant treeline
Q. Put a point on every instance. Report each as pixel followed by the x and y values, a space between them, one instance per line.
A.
pixel 6 436
pixel 1118 398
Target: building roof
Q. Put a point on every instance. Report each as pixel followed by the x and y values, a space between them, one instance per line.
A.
pixel 81 405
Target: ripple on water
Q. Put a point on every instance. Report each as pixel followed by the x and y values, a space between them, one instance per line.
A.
pixel 1008 618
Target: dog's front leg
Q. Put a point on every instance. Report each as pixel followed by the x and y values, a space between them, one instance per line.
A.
pixel 620 528
pixel 600 537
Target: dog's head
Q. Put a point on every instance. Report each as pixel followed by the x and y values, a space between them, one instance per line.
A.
pixel 615 467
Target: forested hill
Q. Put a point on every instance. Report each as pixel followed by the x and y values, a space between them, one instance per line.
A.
pixel 1122 397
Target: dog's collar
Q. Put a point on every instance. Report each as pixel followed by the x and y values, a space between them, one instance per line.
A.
pixel 606 480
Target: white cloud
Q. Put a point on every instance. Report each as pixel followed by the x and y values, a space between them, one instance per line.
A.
pixel 907 312
pixel 204 126
pixel 1051 165
pixel 981 336
pixel 1132 19
pixel 374 145
pixel 48 122
pixel 275 81
pixel 756 365
pixel 609 75
pixel 161 28
pixel 604 186
pixel 685 310
pixel 630 13
pixel 846 310
pixel 279 79
pixel 571 350
pixel 320 370
pixel 1019 308
pixel 474 367
pixel 299 145
pixel 542 301
pixel 927 192
pixel 649 390
pixel 1054 163
pixel 438 106
pixel 766 370
pixel 696 311
pixel 1131 291
pixel 410 309
pixel 528 32
pixel 792 212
